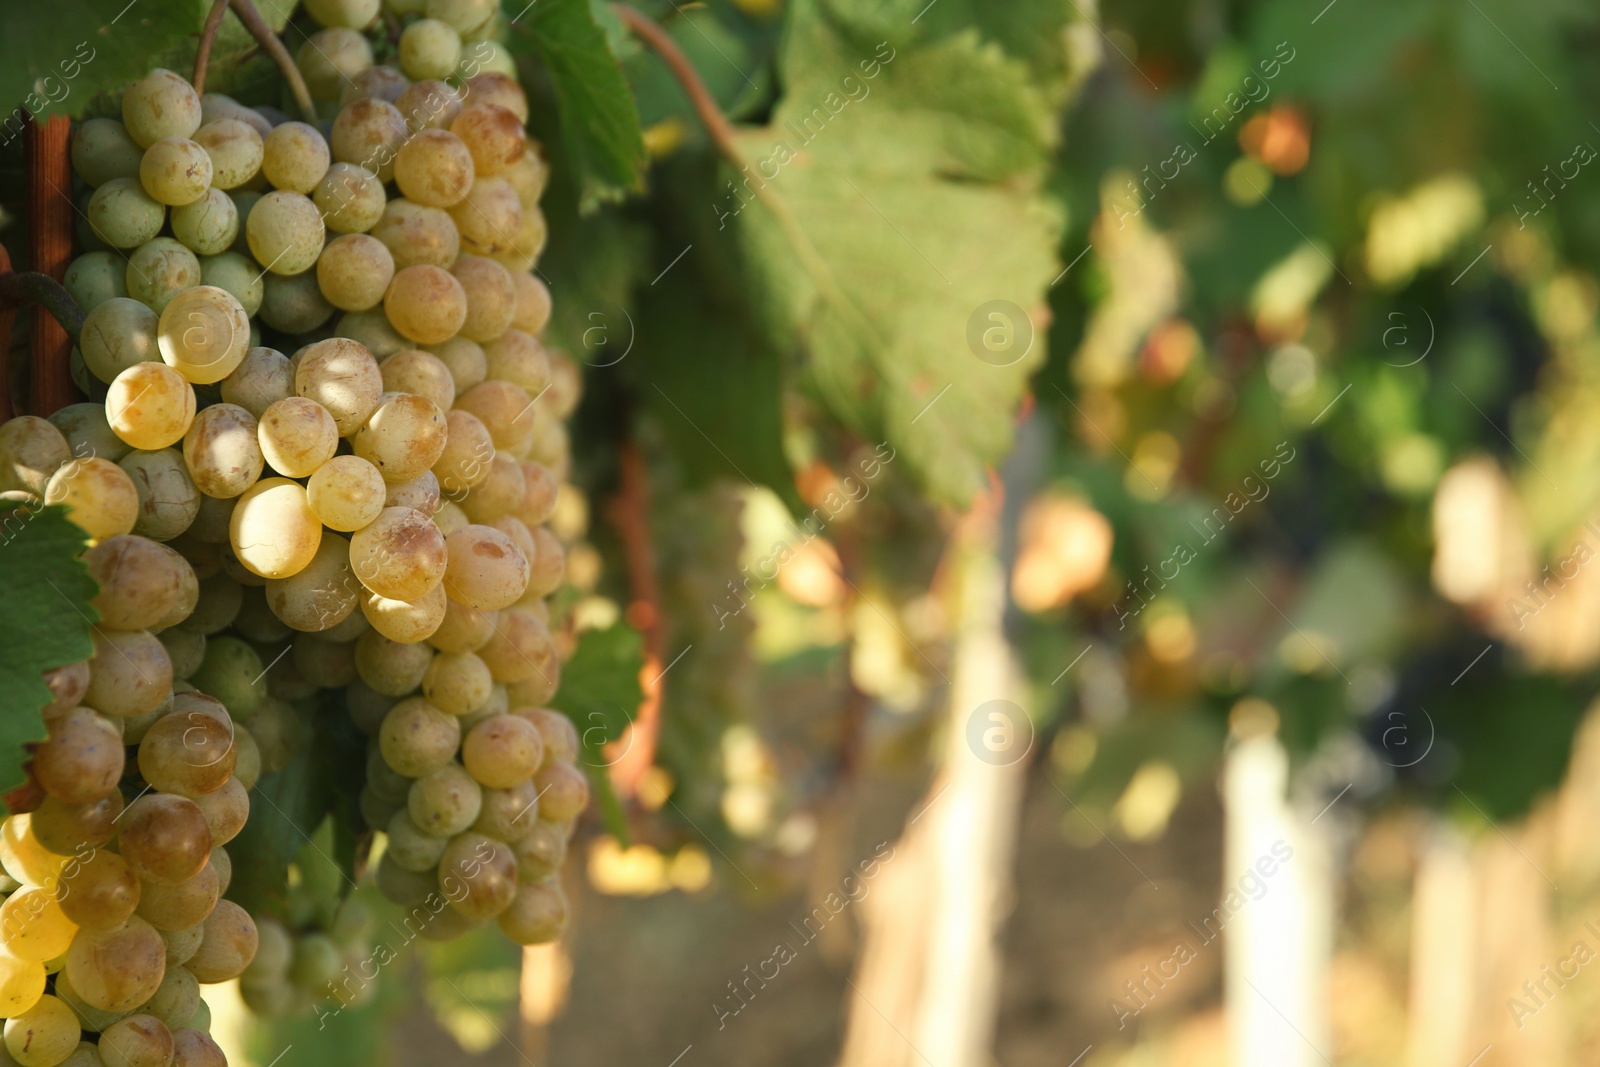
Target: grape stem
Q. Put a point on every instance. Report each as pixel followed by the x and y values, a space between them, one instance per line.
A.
pixel 30 286
pixel 724 137
pixel 280 55
pixel 208 34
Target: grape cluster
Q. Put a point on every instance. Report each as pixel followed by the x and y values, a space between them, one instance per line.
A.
pixel 367 514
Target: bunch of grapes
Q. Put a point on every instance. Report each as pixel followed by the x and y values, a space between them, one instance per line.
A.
pixel 367 513
pixel 319 952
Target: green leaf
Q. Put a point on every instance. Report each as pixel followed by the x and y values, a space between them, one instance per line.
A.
pixel 909 232
pixel 600 693
pixel 46 623
pixel 57 56
pixel 237 67
pixel 599 123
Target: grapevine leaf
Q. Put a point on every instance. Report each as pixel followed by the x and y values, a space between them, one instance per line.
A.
pixel 599 123
pixel 600 693
pixel 895 173
pixel 237 66
pixel 58 56
pixel 46 624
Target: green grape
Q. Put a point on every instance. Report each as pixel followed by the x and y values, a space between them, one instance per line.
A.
pixel 417 738
pixel 372 331
pixel 537 914
pixel 347 493
pixel 229 673
pixel 99 892
pixel 464 629
pixel 295 158
pixel 405 620
pixel 464 16
pixel 217 106
pixel 87 433
pixel 186 649
pixel 175 171
pixel 81 760
pixel 509 813
pixel 102 150
pixel 404 438
pixel 426 304
pixel 243 200
pixel 180 906
pixel 181 945
pixel 161 104
pixel 65 828
pixel 502 751
pixel 221 450
pixel 317 962
pixel 117 334
pixel 429 105
pixel 273 531
pixel 464 463
pixel 294 304
pixel 520 359
pixel 418 235
pixel 494 136
pixel 262 378
pixel 204 333
pixel 354 14
pixel 496 87
pixel 44 1035
pixel 95 277
pixel 528 176
pixel 142 583
pixel 330 57
pixel 219 601
pixel 285 232
pixel 165 840
pixel 194 1047
pixel 486 568
pixel 297 435
pixel 491 303
pixel 228 946
pixel 490 218
pixel 123 215
pixel 189 754
pixel 444 802
pixel 497 496
pixel 235 148
pixel 150 405
pixel 350 197
pixel 354 271
pixel 421 373
pixel 22 983
pixel 32 925
pixel 368 133
pixel 560 736
pixel 429 48
pixel 136 1041
pixel 176 999
pixel 378 83
pixel 98 494
pixel 236 274
pixel 457 683
pixel 563 791
pixel 226 811
pixel 549 563
pixel 391 667
pixel 168 497
pixel 159 270
pixel 208 226
pixel 419 494
pixel 322 595
pixel 478 875
pixel 400 555
pixel 274 951
pixel 325 662
pixel 341 375
pixel 31 451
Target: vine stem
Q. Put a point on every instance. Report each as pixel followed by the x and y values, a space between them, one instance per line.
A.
pixel 280 55
pixel 34 287
pixel 724 137
pixel 208 35
pixel 630 513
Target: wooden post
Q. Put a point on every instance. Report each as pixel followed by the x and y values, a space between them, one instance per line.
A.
pixel 50 210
